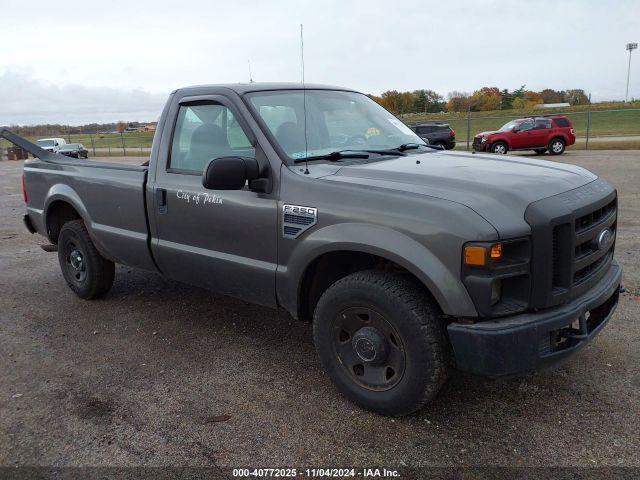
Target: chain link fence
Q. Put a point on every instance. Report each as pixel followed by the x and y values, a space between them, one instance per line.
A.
pixel 126 144
pixel 595 129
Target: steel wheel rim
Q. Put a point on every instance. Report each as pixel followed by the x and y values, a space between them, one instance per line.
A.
pixel 379 374
pixel 499 149
pixel 557 147
pixel 75 262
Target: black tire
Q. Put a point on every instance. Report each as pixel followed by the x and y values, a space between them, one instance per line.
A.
pixel 540 151
pixel 87 273
pixel 499 148
pixel 441 144
pixel 556 146
pixel 417 361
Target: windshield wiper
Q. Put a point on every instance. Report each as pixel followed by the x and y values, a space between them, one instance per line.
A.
pixel 353 153
pixel 335 156
pixel 415 146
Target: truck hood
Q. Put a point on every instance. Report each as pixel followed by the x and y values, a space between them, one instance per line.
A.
pixel 497 188
pixel 485 134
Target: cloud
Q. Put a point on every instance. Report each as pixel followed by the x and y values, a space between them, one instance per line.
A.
pixel 25 100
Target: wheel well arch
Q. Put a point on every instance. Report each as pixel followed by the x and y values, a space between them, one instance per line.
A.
pixel 501 140
pixel 327 268
pixel 57 214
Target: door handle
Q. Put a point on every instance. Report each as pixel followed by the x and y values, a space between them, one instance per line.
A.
pixel 161 200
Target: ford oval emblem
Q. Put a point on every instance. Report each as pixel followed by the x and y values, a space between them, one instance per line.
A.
pixel 604 239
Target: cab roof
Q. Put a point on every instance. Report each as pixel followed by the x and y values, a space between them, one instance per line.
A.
pixel 242 88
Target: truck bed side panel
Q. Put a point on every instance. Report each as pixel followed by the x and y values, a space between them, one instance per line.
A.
pixel 110 201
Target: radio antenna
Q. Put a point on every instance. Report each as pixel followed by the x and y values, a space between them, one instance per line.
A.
pixel 250 77
pixel 304 103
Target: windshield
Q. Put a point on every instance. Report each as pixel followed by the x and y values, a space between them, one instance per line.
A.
pixel 336 121
pixel 509 126
pixel 45 143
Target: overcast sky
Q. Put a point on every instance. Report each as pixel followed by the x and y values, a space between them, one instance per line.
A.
pixel 82 61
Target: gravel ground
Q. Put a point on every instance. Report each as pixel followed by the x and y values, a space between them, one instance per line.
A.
pixel 158 373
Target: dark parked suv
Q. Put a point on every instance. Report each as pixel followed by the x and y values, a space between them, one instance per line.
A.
pixel 436 134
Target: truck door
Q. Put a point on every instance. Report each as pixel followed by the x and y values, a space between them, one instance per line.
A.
pixel 522 138
pixel 221 240
pixel 540 133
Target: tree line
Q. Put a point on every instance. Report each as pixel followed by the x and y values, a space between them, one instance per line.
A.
pixel 417 101
pixel 483 99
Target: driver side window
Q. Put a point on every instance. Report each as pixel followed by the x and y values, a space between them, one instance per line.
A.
pixel 203 132
pixel 526 125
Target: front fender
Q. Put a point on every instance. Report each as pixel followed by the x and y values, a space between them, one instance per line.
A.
pixel 390 244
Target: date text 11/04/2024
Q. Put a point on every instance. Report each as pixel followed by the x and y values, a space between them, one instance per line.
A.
pixel 317 472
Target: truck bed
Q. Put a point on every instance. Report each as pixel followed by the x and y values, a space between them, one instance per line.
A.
pixel 109 197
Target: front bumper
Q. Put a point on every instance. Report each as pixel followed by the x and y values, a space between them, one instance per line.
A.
pixel 534 341
pixel 478 145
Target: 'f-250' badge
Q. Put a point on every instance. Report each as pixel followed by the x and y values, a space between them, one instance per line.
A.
pixel 296 219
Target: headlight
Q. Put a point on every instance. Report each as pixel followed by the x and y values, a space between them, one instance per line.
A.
pixel 497 276
pixel 484 139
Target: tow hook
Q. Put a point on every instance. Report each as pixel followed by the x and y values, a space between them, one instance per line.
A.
pixel 577 334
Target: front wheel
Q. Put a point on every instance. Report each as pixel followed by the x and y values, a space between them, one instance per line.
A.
pixel 499 148
pixel 86 272
pixel 556 147
pixel 382 342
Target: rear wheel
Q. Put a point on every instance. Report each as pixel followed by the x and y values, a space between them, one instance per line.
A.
pixel 556 146
pixel 86 272
pixel 540 151
pixel 499 148
pixel 441 145
pixel 381 340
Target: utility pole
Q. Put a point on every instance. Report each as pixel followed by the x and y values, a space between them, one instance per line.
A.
pixel 468 122
pixel 586 146
pixel 631 47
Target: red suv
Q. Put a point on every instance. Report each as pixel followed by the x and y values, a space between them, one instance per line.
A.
pixel 540 134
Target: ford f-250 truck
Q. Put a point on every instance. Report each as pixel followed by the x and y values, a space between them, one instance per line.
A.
pixel 408 260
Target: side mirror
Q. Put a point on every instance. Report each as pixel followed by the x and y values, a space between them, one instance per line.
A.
pixel 229 173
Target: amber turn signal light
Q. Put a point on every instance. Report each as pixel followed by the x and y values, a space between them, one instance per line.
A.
pixel 478 256
pixel 475 256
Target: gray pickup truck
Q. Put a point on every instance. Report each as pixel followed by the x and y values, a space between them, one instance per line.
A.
pixel 408 260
